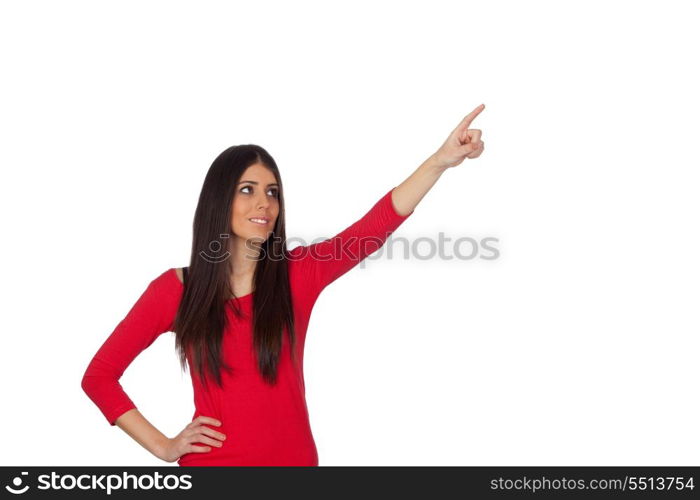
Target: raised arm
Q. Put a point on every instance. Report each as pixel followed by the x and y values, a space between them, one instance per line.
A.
pixel 462 143
pixel 324 262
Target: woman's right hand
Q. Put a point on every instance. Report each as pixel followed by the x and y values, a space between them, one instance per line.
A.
pixel 195 432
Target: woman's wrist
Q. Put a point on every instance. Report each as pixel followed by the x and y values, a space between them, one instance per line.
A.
pixel 160 447
pixel 433 164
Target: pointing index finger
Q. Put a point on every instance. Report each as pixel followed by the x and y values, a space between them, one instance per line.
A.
pixel 470 117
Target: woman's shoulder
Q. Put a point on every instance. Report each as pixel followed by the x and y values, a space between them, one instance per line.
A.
pixel 180 274
pixel 299 256
pixel 169 281
pixel 301 267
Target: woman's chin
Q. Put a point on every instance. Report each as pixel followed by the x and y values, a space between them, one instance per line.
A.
pixel 256 240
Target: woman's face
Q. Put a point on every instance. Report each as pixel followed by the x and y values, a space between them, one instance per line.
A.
pixel 256 197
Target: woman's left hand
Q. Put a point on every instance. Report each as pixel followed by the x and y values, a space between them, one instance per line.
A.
pixel 462 143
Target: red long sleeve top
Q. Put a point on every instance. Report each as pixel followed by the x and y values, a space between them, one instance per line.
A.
pixel 264 425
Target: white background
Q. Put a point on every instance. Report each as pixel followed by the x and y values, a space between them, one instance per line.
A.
pixel 578 345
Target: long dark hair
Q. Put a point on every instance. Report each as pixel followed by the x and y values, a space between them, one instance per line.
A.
pixel 201 317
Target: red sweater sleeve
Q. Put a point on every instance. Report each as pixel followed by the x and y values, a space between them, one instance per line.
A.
pixel 326 261
pixel 152 314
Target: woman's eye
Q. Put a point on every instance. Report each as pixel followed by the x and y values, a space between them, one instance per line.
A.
pixel 274 191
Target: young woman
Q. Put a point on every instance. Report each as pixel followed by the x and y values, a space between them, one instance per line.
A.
pixel 241 308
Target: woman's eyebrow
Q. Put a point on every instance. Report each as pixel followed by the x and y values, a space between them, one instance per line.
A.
pixel 253 182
